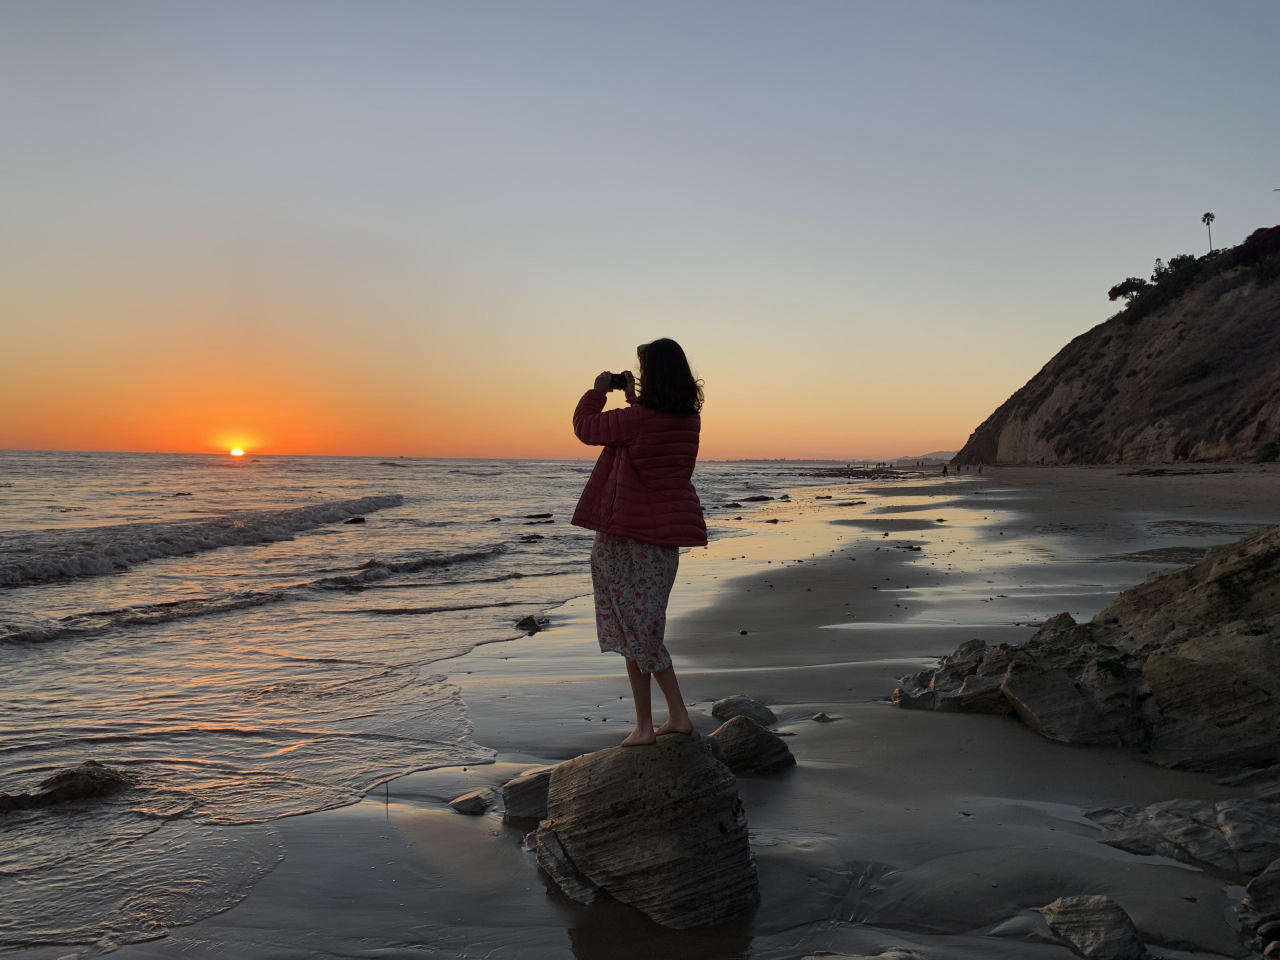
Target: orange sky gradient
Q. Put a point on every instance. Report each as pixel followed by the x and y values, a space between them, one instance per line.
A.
pixel 423 229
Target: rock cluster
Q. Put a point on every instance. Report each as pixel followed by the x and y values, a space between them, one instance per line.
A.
pixel 660 828
pixel 1185 665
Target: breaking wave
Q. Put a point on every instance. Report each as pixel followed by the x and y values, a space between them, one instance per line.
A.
pixel 49 555
pixel 19 629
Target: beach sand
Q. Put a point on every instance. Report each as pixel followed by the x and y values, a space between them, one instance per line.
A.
pixel 936 833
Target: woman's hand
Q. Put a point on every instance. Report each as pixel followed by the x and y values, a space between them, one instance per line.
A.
pixel 629 391
pixel 604 382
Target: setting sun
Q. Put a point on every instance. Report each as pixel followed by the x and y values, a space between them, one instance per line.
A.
pixel 237 452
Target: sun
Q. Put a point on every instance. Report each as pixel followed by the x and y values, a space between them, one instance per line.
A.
pixel 236 452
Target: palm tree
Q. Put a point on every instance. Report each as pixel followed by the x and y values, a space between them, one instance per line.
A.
pixel 1207 220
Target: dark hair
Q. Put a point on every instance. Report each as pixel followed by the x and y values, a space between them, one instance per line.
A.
pixel 666 382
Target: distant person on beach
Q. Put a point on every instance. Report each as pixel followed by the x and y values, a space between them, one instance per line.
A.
pixel 641 503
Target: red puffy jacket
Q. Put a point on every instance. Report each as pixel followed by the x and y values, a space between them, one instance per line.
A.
pixel 640 486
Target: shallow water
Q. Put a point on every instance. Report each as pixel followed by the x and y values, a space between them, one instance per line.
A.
pixel 219 634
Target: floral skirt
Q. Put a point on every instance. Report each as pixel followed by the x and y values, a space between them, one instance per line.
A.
pixel 632 582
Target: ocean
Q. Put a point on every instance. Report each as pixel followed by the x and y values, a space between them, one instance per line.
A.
pixel 241 640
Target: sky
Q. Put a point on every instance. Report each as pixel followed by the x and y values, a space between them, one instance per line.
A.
pixel 422 228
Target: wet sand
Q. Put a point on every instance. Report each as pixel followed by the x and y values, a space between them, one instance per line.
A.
pixel 936 833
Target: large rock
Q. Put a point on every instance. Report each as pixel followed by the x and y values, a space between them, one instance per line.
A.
pixel 747 747
pixel 660 828
pixel 1185 665
pixel 1096 927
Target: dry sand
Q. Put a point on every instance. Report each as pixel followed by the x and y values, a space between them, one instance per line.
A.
pixel 937 833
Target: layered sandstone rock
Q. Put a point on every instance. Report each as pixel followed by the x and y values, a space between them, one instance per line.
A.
pixel 660 828
pixel 1096 927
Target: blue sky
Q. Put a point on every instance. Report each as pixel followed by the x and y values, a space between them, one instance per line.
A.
pixel 867 222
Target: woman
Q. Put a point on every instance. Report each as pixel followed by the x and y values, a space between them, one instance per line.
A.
pixel 641 503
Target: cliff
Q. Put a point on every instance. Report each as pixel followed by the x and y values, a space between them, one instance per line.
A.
pixel 1187 371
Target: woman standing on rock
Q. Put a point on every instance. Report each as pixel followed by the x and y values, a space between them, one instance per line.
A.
pixel 641 503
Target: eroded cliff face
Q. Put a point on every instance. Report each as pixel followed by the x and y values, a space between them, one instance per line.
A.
pixel 1192 376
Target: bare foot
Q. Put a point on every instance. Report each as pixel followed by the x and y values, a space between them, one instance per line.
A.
pixel 671 727
pixel 639 738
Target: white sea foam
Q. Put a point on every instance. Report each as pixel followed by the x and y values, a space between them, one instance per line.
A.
pixel 49 555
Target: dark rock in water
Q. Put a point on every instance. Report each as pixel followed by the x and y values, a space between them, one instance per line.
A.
pixel 536 516
pixel 494 520
pixel 659 827
pixel 475 802
pixel 532 624
pixel 822 718
pixel 1239 836
pixel 757 498
pixel 1095 927
pixel 747 747
pixel 525 797
pixel 1184 665
pixel 740 705
pixel 355 520
pixel 86 782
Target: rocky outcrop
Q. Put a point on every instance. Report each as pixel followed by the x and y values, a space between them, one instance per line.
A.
pixel 1185 372
pixel 1095 927
pixel 1238 836
pixel 746 747
pixel 1185 666
pixel 660 828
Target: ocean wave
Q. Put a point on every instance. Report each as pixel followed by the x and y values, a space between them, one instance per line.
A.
pixel 34 630
pixel 49 555
pixel 374 570
pixel 442 608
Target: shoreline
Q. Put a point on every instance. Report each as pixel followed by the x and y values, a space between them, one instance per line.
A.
pixel 930 831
